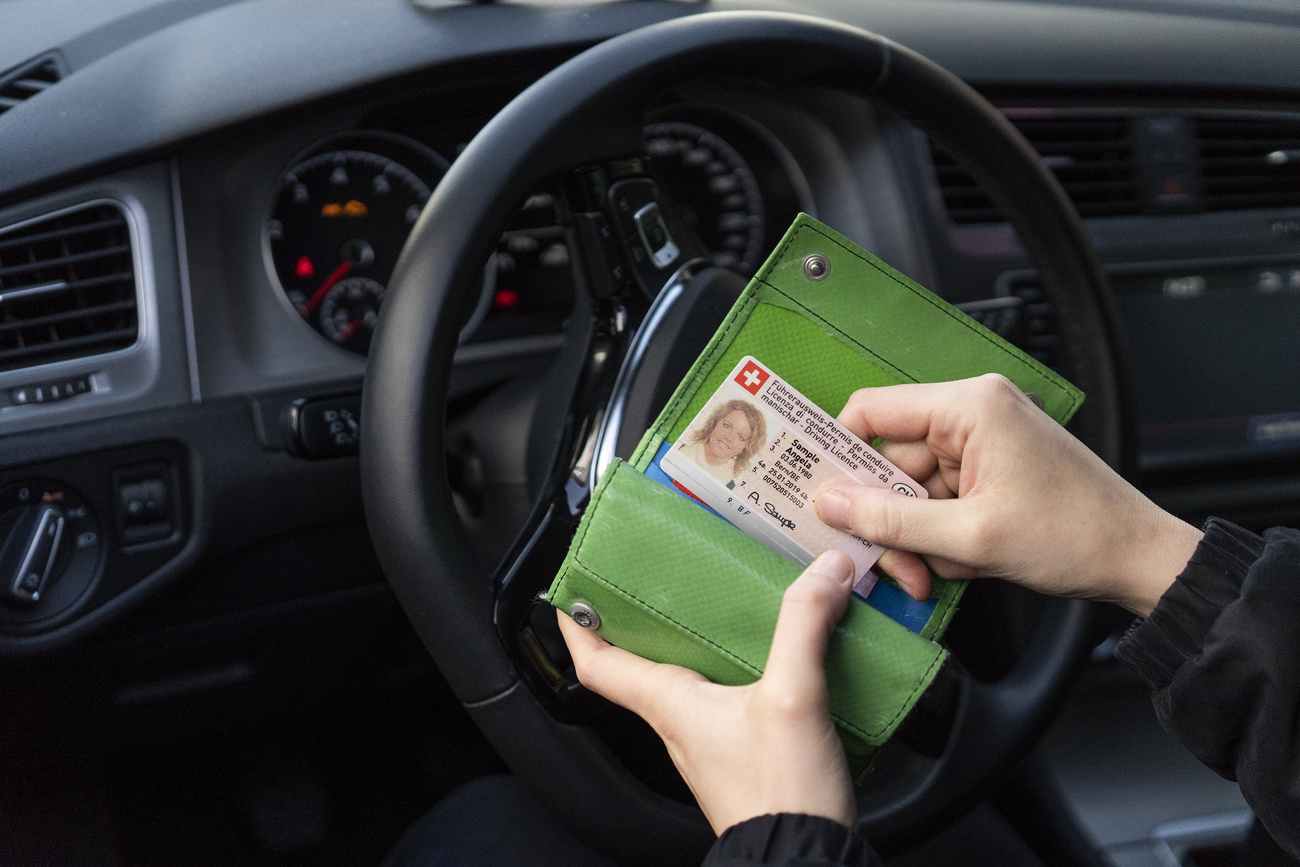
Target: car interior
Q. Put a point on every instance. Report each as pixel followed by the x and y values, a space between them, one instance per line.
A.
pixel 321 319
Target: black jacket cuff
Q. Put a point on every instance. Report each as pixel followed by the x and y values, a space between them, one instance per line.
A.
pixel 792 840
pixel 1211 581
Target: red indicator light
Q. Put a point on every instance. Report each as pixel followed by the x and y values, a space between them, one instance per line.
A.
pixel 507 299
pixel 304 268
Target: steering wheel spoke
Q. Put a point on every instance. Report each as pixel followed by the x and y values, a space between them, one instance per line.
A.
pixel 624 286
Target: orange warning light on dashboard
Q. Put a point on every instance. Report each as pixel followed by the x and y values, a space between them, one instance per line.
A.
pixel 352 208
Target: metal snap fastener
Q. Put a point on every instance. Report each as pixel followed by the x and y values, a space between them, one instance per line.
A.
pixel 1037 399
pixel 584 615
pixel 816 267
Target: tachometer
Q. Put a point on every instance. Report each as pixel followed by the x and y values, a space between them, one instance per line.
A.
pixel 714 190
pixel 338 224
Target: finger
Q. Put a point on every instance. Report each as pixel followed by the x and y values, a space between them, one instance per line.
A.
pixel 937 486
pixel 899 413
pixel 950 569
pixel 811 607
pixel 909 570
pixel 913 458
pixel 909 523
pixel 624 678
pixel 941 413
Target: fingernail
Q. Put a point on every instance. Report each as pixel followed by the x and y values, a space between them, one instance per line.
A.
pixel 834 564
pixel 833 508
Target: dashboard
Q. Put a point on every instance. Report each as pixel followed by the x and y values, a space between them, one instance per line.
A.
pixel 201 206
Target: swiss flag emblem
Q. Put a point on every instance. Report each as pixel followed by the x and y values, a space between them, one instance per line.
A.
pixel 752 377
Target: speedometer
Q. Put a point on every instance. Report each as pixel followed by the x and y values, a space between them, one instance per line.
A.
pixel 340 219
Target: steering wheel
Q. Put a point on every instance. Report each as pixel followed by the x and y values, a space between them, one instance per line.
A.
pixel 588 112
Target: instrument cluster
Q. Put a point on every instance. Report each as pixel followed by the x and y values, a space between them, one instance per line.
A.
pixel 343 211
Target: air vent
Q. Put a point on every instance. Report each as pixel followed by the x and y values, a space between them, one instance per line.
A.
pixel 1023 317
pixel 67 287
pixel 1041 337
pixel 1249 162
pixel 1092 157
pixel 22 83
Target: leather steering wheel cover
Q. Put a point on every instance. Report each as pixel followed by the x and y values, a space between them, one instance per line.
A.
pixel 588 110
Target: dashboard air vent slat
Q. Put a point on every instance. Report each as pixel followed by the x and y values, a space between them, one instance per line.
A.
pixel 67 287
pixel 1249 162
pixel 69 315
pixel 21 357
pixel 23 82
pixel 72 259
pixel 57 234
pixel 1091 155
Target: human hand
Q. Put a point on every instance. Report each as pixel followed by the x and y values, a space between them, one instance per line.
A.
pixel 1012 495
pixel 745 751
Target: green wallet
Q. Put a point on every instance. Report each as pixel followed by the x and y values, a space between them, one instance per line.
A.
pixel 675 583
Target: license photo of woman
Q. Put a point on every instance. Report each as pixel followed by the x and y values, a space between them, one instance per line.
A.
pixel 727 441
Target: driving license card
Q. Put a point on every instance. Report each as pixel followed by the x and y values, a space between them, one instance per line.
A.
pixel 759 453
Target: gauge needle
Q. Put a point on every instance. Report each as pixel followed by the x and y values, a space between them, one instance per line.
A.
pixel 335 276
pixel 349 331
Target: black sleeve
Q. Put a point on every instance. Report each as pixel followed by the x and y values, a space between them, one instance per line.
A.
pixel 1222 653
pixel 792 841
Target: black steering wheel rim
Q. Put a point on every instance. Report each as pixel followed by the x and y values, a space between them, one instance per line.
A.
pixel 587 111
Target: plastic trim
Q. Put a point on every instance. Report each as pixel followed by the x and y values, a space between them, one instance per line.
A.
pixel 183 276
pixel 612 423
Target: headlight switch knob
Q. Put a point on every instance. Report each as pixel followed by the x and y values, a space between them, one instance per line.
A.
pixel 32 550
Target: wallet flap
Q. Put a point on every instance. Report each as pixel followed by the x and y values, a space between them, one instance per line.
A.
pixel 683 612
pixel 884 329
pixel 909 332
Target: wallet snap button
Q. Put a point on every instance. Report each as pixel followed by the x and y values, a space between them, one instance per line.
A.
pixel 816 267
pixel 584 615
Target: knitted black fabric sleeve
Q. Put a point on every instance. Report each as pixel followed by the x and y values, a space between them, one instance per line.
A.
pixel 791 840
pixel 1221 653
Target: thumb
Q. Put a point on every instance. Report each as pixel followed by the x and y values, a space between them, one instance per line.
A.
pixel 811 607
pixel 646 688
pixel 893 521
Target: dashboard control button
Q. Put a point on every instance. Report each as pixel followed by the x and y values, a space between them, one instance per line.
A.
pixel 145 503
pixel 325 427
pixel 1168 150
